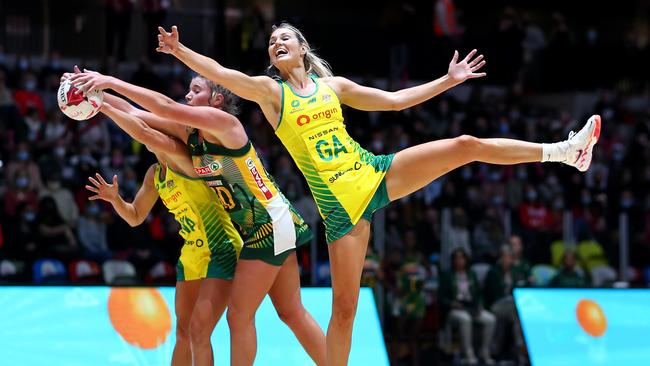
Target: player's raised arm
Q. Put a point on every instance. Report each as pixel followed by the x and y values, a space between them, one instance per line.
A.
pixel 260 89
pixel 201 117
pixel 142 132
pixel 372 99
pixel 133 213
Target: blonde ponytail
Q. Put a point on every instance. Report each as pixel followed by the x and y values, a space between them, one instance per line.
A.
pixel 313 63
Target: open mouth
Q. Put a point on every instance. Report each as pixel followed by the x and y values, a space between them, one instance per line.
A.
pixel 280 52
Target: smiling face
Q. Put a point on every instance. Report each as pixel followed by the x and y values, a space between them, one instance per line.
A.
pixel 199 94
pixel 285 49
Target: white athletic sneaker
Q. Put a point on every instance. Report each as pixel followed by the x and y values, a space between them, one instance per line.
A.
pixel 581 144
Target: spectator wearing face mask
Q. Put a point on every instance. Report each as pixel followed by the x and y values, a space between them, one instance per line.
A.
pixel 6 98
pixel 92 233
pixel 55 129
pixel 65 203
pixel 22 161
pixel 113 164
pixel 94 135
pixel 27 96
pixel 22 234
pixel 129 185
pixel 536 220
pixel 19 193
pixel 56 238
pixel 34 125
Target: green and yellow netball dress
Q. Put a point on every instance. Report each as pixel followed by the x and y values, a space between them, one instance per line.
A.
pixel 346 180
pixel 212 244
pixel 269 226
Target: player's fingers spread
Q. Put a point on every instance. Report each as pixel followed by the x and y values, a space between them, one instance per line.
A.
pixel 470 55
pixel 100 178
pixel 94 181
pixel 92 198
pixel 476 60
pixel 92 189
pixel 481 64
pixel 455 58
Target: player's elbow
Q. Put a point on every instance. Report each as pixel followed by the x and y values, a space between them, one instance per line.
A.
pixel 136 220
pixel 153 141
pixel 396 102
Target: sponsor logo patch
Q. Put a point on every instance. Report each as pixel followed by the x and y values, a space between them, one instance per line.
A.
pixel 258 179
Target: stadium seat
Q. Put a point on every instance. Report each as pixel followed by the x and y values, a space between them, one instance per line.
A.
pixel 161 273
pixel 591 255
pixel 11 271
pixel 119 272
pixel 49 271
pixel 557 251
pixel 85 271
pixel 8 268
pixel 603 276
pixel 542 274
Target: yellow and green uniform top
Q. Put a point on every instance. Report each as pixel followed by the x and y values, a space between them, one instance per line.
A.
pixel 267 222
pixel 212 244
pixel 343 177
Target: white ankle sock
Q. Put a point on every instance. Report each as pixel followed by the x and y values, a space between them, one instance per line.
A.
pixel 555 152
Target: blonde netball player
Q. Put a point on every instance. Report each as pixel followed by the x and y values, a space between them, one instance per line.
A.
pixel 208 257
pixel 303 104
pixel 271 229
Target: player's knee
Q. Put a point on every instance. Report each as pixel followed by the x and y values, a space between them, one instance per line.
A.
pixel 199 329
pixel 291 316
pixel 182 332
pixel 344 308
pixel 237 318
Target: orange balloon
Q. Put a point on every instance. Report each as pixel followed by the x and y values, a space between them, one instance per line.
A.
pixel 140 316
pixel 591 317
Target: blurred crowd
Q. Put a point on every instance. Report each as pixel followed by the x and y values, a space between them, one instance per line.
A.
pixel 453 251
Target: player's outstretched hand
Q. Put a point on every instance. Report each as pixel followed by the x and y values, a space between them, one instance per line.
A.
pixel 102 189
pixel 465 69
pixel 67 75
pixel 89 80
pixel 168 41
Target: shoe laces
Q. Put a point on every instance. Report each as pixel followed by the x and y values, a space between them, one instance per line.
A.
pixel 571 134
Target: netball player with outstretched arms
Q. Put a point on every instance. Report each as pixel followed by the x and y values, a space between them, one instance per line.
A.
pixel 303 105
pixel 225 159
pixel 208 257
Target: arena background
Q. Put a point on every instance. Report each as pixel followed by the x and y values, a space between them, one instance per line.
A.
pixel 550 65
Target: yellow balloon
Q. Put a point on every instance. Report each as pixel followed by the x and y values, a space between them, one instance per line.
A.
pixel 140 316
